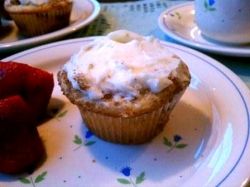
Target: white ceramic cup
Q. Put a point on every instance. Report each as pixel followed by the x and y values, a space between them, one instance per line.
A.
pixel 225 21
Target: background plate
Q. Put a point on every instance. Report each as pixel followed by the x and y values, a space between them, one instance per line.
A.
pixel 83 12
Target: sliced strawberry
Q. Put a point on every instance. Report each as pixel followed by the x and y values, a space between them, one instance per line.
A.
pixel 33 84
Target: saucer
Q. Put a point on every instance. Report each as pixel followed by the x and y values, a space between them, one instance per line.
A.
pixel 178 22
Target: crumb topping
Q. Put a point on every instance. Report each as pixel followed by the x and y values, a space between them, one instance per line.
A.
pixel 121 65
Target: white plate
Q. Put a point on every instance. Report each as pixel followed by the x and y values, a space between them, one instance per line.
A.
pixel 212 119
pixel 178 23
pixel 83 13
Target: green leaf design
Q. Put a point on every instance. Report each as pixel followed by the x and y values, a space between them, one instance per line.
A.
pixel 205 4
pixel 167 142
pixel 140 178
pixel 211 9
pixel 24 180
pixel 90 143
pixel 77 140
pixel 62 114
pixel 40 177
pixel 180 146
pixel 178 15
pixel 123 181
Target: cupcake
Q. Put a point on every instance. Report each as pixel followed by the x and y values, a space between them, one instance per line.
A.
pixel 36 17
pixel 125 86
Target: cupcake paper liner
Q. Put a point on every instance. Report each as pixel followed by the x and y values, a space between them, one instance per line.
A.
pixel 129 130
pixel 37 23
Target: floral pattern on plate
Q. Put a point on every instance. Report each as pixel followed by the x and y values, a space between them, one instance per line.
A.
pixel 33 181
pixel 87 142
pixel 209 5
pixel 175 144
pixel 126 171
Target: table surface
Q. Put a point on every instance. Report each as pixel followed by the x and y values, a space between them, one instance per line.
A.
pixel 141 16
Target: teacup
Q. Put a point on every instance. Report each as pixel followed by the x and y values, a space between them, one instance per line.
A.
pixel 225 21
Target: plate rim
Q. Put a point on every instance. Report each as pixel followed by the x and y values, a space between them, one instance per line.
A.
pixel 235 81
pixel 219 49
pixel 55 34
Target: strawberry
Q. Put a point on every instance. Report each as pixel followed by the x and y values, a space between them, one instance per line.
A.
pixel 39 86
pixel 21 153
pixel 21 146
pixel 33 84
pixel 11 78
pixel 15 116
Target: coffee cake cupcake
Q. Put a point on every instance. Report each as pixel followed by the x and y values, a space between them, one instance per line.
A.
pixel 125 86
pixel 36 17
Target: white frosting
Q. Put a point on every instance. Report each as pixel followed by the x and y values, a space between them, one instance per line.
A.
pixel 33 2
pixel 121 64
